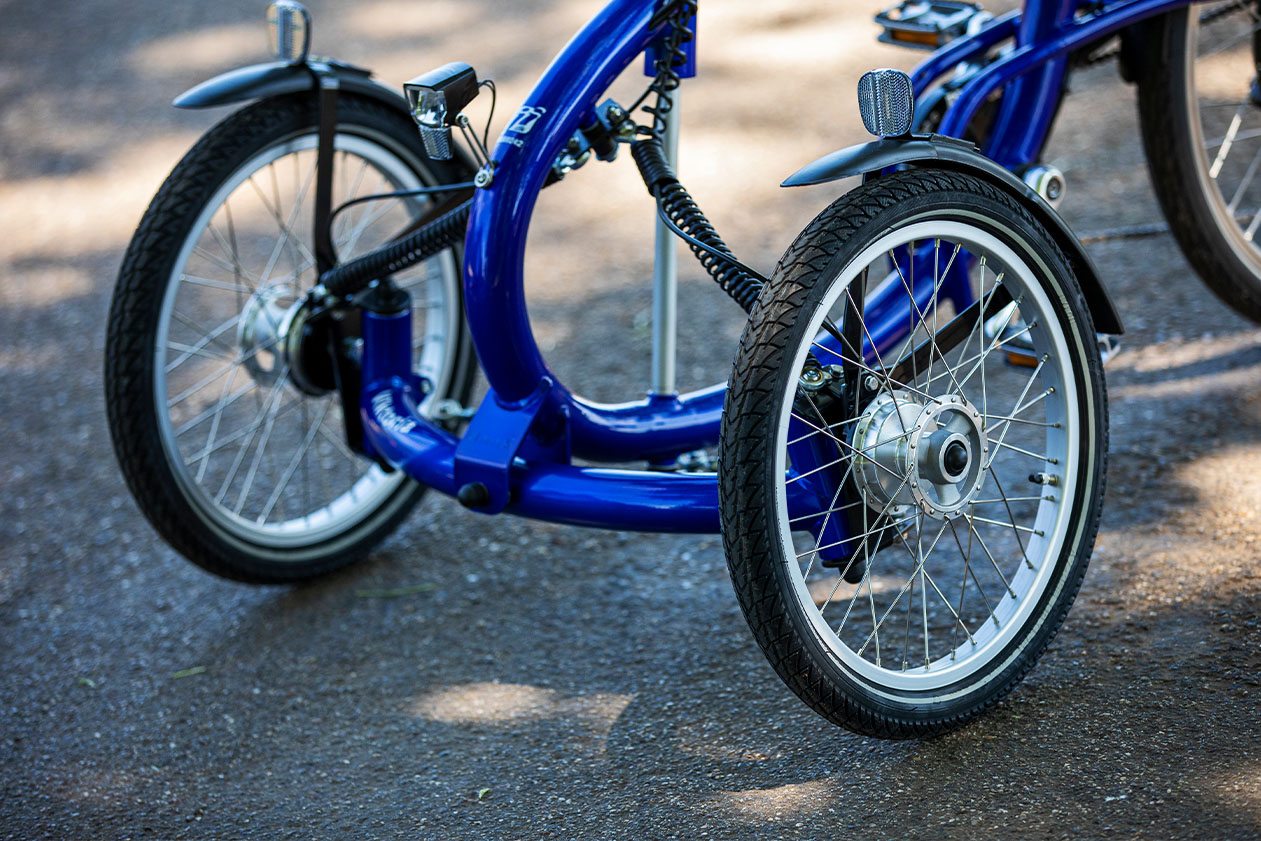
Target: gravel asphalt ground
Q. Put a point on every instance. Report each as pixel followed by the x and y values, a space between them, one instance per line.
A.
pixel 493 678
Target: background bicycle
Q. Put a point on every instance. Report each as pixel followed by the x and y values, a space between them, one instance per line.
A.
pixel 608 710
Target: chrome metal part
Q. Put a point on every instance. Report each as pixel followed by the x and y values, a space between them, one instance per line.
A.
pixel 1048 181
pixel 665 280
pixel 265 321
pixel 926 453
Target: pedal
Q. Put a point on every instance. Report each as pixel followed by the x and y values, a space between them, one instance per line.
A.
pixel 927 24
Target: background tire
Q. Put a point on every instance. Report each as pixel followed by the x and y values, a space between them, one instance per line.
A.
pixel 1212 219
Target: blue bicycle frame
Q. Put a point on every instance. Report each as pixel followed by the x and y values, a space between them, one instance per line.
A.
pixel 521 442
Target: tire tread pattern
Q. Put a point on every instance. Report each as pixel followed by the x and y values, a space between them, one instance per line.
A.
pixel 748 435
pixel 132 319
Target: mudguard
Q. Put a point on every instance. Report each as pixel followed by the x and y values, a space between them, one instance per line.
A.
pixel 326 77
pixel 871 159
pixel 276 78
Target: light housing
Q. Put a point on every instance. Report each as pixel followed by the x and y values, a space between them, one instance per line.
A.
pixel 289 30
pixel 435 99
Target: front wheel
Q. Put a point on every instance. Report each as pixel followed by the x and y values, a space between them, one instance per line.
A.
pixel 912 454
pixel 240 469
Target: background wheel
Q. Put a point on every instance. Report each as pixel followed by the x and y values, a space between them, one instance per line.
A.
pixel 966 566
pixel 1200 113
pixel 239 470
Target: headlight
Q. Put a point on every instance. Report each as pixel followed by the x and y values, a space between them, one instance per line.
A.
pixel 436 99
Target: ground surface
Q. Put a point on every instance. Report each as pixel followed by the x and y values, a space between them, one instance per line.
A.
pixel 551 682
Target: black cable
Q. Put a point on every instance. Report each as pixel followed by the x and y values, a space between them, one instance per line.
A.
pixel 418 246
pixel 494 97
pixel 668 79
pixel 696 243
pixel 399 194
pixel 676 207
pixel 682 215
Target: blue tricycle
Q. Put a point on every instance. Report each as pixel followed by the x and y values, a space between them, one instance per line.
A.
pixel 907 462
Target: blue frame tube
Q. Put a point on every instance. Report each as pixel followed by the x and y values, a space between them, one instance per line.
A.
pixel 1030 101
pixel 494 261
pixel 631 500
pixel 658 427
pixel 1054 32
pixel 942 61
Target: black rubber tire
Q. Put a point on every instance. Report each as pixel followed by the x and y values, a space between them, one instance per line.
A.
pixel 1229 267
pixel 750 520
pixel 133 323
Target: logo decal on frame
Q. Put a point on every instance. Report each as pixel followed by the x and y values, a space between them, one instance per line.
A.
pixel 525 119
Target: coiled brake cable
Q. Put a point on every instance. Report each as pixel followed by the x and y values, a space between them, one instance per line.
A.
pixel 676 207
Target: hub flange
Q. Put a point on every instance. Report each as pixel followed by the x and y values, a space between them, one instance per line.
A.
pixel 921 451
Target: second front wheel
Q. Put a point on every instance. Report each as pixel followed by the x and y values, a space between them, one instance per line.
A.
pixel 234 459
pixel 912 455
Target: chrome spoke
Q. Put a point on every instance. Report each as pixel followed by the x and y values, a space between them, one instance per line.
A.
pixel 292 467
pixel 205 340
pixel 262 446
pixel 208 413
pixel 1023 451
pixel 922 605
pixel 900 594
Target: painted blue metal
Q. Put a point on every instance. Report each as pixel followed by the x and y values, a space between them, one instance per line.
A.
pixel 495 438
pixel 630 500
pixel 654 429
pixel 1031 101
pixel 393 432
pixel 1054 42
pixel 685 68
pixel 530 421
pixel 494 262
pixel 495 252
pixel 494 276
pixel 961 50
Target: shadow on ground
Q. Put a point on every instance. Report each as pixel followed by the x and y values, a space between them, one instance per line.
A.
pixel 492 678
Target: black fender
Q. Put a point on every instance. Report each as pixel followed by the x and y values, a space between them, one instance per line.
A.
pixel 871 159
pixel 277 78
pixel 328 79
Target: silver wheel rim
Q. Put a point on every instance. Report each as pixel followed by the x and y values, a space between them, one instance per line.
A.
pixel 243 479
pixel 1030 321
pixel 1225 125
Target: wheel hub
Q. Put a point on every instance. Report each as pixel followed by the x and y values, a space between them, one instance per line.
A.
pixel 264 322
pixel 916 451
pixel 275 337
